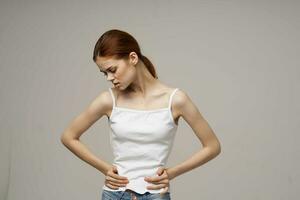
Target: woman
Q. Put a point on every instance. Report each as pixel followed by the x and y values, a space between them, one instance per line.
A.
pixel 143 115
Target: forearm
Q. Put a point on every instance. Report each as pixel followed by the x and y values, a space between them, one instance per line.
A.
pixel 198 159
pixel 81 151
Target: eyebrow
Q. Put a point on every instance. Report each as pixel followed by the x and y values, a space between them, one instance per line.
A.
pixel 107 68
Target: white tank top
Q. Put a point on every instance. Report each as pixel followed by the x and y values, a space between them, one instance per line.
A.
pixel 141 142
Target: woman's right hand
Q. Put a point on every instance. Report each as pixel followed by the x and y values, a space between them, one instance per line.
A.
pixel 113 180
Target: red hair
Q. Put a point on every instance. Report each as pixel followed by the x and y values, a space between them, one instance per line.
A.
pixel 118 44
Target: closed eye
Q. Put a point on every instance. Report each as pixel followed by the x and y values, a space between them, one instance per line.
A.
pixel 113 71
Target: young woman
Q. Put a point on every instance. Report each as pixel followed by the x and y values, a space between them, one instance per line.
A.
pixel 143 115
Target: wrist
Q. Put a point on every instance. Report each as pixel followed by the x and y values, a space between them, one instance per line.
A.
pixel 104 167
pixel 171 173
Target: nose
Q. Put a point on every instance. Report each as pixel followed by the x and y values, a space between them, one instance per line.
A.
pixel 109 78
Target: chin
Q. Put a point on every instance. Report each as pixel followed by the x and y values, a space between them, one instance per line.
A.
pixel 122 87
pixel 118 87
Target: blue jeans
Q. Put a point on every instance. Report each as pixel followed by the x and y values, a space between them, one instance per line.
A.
pixel 132 195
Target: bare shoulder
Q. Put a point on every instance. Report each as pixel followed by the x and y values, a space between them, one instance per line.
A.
pixel 186 108
pixel 178 100
pixel 102 104
pixel 181 101
pixel 98 107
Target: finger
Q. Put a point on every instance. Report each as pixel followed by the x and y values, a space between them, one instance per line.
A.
pixel 113 179
pixel 160 170
pixel 156 178
pixel 111 186
pixel 164 181
pixel 164 190
pixel 116 176
pixel 115 169
pixel 154 187
pixel 123 178
pixel 117 184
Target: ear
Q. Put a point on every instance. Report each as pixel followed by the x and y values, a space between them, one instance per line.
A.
pixel 133 58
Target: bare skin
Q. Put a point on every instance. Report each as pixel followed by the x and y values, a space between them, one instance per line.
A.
pixel 139 88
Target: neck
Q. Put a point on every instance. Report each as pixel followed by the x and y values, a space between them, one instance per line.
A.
pixel 144 81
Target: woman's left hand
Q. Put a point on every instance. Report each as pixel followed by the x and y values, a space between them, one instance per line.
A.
pixel 160 181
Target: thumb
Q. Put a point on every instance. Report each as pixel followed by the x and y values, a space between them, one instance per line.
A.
pixel 160 170
pixel 115 169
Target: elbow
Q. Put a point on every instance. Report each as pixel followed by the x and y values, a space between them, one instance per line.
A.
pixel 64 139
pixel 217 148
pixel 218 151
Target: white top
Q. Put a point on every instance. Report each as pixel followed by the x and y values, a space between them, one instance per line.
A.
pixel 141 141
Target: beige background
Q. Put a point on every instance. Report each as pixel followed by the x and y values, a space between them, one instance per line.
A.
pixel 237 60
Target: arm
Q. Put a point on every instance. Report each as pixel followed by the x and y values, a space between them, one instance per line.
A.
pixel 70 137
pixel 211 146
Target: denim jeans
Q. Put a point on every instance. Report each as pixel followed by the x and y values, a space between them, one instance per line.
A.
pixel 132 195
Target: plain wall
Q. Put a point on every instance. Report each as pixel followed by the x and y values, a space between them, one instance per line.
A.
pixel 237 60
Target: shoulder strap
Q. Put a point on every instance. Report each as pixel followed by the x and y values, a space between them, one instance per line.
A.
pixel 171 97
pixel 112 96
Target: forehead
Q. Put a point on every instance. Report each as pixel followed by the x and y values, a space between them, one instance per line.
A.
pixel 104 63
